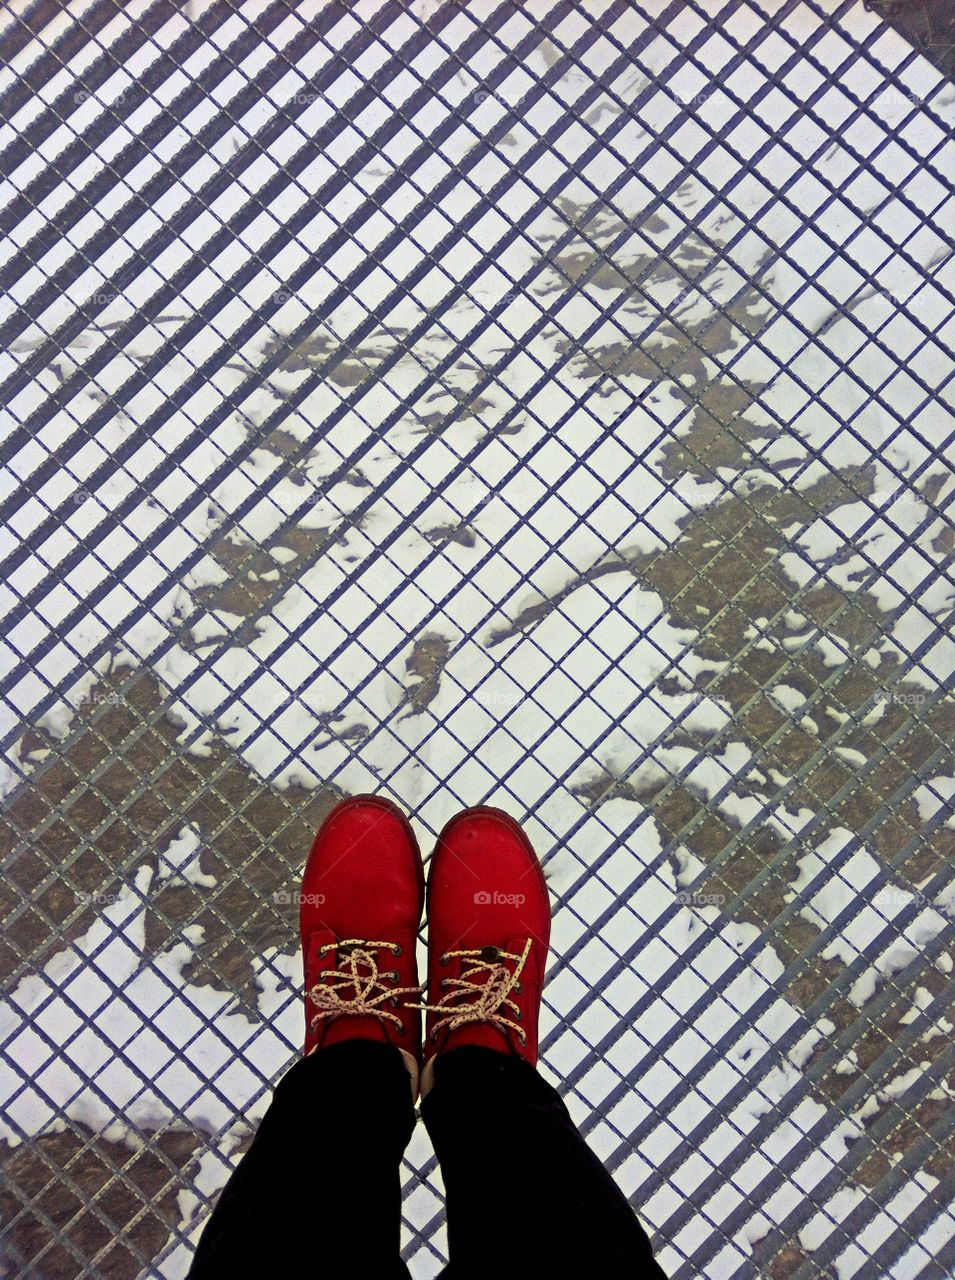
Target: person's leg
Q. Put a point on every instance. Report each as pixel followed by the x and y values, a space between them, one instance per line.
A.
pixel 526 1196
pixel 318 1192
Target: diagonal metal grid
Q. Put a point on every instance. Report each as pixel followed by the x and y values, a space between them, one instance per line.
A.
pixel 544 405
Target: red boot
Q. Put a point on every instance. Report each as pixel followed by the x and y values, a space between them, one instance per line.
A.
pixel 361 900
pixel 489 927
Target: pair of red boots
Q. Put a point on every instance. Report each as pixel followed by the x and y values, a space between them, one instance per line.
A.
pixel 488 923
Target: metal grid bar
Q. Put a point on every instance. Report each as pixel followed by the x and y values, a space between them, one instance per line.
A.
pixel 639 255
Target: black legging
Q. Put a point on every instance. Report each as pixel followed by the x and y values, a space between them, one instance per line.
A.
pixel 319 1193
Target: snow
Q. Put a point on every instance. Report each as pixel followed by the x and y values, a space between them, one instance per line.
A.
pixel 832 880
pixel 935 796
pixel 877 1230
pixel 180 862
pixel 114 1042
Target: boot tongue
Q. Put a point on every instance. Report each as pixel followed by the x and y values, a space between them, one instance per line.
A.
pixel 354 1026
pixel 485 1035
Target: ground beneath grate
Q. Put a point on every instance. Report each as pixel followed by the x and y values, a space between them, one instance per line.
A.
pixel 928 24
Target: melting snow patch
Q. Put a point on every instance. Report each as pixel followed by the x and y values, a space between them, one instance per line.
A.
pixel 934 796
pixel 789 699
pixel 104 1038
pixel 857 1246
pixel 179 863
pixel 832 881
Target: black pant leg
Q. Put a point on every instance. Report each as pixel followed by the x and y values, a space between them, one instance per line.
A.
pixel 526 1196
pixel 318 1192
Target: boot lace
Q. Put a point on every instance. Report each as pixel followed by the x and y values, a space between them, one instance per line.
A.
pixel 483 992
pixel 358 985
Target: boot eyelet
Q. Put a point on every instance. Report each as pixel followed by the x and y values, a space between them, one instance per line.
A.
pixel 519 1015
pixel 518 987
pixel 397 949
pixel 443 960
pixel 402 1030
pixel 444 983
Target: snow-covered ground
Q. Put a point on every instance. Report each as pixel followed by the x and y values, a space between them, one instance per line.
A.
pixel 632 522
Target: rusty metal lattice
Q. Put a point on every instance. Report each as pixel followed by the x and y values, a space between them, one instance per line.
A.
pixel 540 404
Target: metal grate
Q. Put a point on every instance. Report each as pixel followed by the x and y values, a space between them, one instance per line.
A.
pixel 543 405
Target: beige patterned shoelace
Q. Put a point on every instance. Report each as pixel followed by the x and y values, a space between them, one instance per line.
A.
pixel 348 990
pixel 483 992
